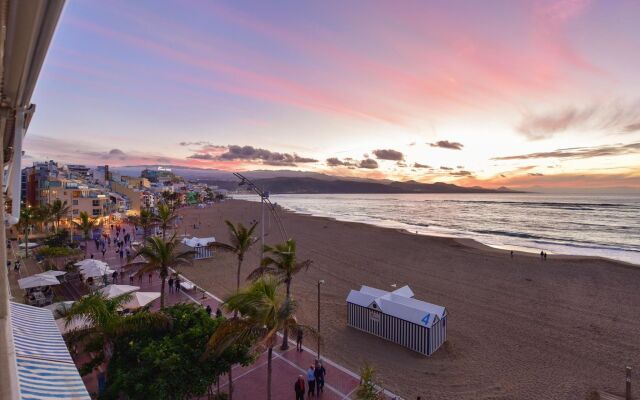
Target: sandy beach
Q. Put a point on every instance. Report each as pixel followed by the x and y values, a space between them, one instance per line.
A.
pixel 518 328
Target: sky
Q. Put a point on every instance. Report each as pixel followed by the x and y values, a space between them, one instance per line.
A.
pixel 491 93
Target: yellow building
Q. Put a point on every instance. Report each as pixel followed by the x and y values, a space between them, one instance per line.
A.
pixel 80 198
pixel 134 196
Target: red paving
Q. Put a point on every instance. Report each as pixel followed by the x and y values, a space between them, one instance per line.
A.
pixel 249 382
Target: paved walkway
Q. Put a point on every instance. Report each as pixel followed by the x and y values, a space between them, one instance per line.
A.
pixel 249 382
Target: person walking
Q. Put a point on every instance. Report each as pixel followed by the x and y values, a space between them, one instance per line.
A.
pixel 218 313
pixel 103 252
pixel 115 276
pixel 150 276
pixel 299 388
pixel 208 309
pixel 177 283
pixel 171 284
pixel 299 337
pixel 311 381
pixel 319 372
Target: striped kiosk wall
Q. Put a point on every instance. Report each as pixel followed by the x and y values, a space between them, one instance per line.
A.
pixel 414 324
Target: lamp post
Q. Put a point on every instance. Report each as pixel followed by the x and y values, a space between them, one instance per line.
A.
pixel 320 282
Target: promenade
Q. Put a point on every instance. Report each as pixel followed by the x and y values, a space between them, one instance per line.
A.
pixel 249 382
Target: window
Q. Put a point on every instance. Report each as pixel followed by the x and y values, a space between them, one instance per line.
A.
pixel 75 212
pixel 96 212
pixel 96 203
pixel 75 203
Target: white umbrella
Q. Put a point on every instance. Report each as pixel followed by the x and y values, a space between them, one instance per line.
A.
pixel 97 271
pixel 112 291
pixel 36 281
pixel 89 262
pixel 141 299
pixel 51 272
pixel 76 323
pixel 59 307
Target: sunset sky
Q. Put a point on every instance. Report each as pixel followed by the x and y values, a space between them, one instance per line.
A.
pixel 491 93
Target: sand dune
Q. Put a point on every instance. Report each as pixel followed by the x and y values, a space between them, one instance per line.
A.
pixel 518 328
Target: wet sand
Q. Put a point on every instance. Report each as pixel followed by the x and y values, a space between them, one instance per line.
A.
pixel 518 328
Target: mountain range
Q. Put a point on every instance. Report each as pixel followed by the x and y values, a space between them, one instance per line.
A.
pixel 289 182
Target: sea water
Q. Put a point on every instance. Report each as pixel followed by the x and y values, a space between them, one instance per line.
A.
pixel 605 226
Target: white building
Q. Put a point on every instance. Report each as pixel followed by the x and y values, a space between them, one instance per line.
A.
pixel 398 317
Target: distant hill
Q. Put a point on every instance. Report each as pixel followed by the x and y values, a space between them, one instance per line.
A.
pixel 289 181
pixel 302 185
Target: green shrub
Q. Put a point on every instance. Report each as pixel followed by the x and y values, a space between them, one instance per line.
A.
pixel 56 251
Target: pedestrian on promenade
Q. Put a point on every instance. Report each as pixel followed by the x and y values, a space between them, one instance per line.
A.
pixel 170 284
pixel 299 337
pixel 319 373
pixel 311 381
pixel 299 388
pixel 115 276
pixel 208 309
pixel 121 255
pixel 218 313
pixel 150 276
pixel 103 252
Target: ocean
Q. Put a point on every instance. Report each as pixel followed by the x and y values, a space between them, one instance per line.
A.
pixel 605 226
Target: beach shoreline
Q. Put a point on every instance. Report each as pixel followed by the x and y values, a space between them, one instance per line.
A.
pixel 518 328
pixel 521 234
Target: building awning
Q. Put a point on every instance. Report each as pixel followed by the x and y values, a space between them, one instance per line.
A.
pixel 44 365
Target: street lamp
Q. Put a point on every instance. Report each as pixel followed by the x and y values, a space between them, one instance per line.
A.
pixel 320 282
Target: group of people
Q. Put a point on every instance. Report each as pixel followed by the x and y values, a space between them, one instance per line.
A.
pixel 174 284
pixel 123 244
pixel 314 384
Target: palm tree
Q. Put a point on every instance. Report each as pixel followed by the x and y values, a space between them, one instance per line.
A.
pixel 85 225
pixel 241 240
pixel 283 265
pixel 43 215
pixel 146 221
pixel 28 216
pixel 264 312
pixel 165 217
pixel 100 321
pixel 160 255
pixel 59 210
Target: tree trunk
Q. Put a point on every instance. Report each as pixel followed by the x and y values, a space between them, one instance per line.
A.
pixel 230 383
pixel 86 246
pixel 164 278
pixel 269 369
pixel 235 312
pixel 285 331
pixel 26 243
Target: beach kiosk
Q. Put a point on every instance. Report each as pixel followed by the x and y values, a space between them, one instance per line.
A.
pixel 199 246
pixel 398 317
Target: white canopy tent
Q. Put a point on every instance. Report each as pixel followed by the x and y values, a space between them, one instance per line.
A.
pixel 141 299
pixel 52 272
pixel 37 281
pixel 112 291
pixel 76 323
pixel 59 307
pixel 88 262
pixel 97 271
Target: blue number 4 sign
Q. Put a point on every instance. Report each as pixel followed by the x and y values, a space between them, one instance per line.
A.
pixel 425 320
